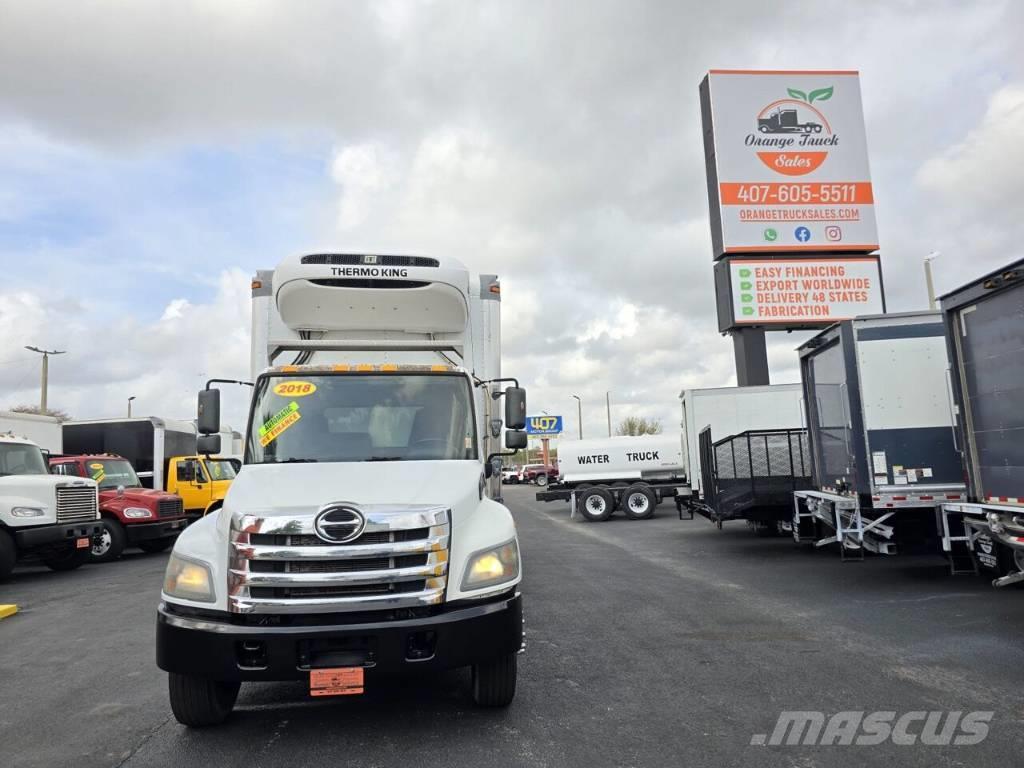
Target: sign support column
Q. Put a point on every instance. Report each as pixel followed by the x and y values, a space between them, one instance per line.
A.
pixel 750 347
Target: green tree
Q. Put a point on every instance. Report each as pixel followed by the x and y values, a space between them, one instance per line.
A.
pixel 638 425
pixel 34 409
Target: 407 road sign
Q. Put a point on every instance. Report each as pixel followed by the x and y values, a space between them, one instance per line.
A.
pixel 787 162
pixel 796 293
pixel 542 426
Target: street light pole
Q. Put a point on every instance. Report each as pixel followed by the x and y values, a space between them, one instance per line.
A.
pixel 46 373
pixel 928 278
pixel 608 407
pixel 130 406
pixel 579 414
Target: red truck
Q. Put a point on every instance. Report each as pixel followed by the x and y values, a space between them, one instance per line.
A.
pixel 130 514
pixel 538 473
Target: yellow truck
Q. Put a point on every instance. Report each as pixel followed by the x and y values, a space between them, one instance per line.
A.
pixel 163 452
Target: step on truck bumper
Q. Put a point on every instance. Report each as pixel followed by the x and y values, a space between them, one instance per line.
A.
pixel 48 535
pixel 164 529
pixel 221 650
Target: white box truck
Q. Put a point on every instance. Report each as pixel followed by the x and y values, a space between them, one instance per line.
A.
pixel 631 473
pixel 55 519
pixel 44 431
pixel 359 540
pixel 732 410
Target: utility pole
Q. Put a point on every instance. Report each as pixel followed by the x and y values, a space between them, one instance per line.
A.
pixel 130 406
pixel 928 278
pixel 579 414
pixel 608 407
pixel 46 373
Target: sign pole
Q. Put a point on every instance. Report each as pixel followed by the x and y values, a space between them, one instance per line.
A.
pixel 750 348
pixel 544 441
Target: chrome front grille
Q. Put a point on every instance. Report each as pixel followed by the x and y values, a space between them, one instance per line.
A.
pixel 280 565
pixel 170 508
pixel 77 503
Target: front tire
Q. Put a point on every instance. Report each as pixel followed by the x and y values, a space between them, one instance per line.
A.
pixel 199 703
pixel 67 559
pixel 494 682
pixel 111 544
pixel 596 505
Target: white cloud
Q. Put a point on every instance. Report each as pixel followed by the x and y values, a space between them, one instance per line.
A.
pixel 163 364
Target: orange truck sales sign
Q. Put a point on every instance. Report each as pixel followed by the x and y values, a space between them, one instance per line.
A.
pixel 787 162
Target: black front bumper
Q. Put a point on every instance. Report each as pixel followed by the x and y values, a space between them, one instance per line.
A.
pixel 219 650
pixel 165 529
pixel 49 535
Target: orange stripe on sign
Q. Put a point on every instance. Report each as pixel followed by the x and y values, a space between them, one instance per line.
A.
pixel 835 194
pixel 808 248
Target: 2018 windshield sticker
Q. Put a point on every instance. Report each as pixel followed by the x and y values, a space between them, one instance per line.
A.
pixel 279 422
pixel 294 388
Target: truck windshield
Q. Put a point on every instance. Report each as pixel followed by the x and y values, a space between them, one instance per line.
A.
pixel 21 459
pixel 220 469
pixel 361 417
pixel 110 473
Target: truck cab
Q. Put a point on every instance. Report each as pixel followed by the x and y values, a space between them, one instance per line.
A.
pixel 55 519
pixel 131 515
pixel 201 481
pixel 361 539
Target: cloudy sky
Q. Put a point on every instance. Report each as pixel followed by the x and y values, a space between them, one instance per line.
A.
pixel 154 155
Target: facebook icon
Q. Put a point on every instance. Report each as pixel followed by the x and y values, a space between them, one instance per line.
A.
pixel 803 234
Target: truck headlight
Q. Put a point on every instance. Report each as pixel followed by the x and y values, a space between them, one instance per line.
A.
pixel 28 511
pixel 188 579
pixel 137 512
pixel 492 566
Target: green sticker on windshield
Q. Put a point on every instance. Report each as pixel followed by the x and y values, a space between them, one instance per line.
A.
pixel 278 423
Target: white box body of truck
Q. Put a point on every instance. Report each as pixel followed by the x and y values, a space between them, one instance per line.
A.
pixel 625 458
pixel 44 431
pixel 361 537
pixel 731 410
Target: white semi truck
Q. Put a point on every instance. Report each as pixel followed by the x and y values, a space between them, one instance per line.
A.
pixel 360 539
pixel 46 516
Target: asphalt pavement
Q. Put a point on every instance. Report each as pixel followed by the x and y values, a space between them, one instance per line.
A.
pixel 649 643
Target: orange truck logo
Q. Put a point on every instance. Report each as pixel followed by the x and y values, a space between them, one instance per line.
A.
pixel 797 128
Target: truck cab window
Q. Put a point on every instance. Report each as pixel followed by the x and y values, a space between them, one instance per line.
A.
pixel 363 417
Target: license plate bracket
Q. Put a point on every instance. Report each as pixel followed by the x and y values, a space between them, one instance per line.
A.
pixel 336 681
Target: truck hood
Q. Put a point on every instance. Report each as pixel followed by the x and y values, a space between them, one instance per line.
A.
pixel 146 496
pixel 281 489
pixel 38 491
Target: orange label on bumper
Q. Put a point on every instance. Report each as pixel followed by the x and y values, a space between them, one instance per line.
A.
pixel 81 543
pixel 338 681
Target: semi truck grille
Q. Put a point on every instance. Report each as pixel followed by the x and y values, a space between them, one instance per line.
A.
pixel 171 508
pixel 353 259
pixel 76 504
pixel 279 565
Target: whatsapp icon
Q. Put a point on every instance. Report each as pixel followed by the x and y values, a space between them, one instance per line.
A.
pixel 770 235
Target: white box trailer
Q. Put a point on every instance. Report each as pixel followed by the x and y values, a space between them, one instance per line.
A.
pixel 732 410
pixel 44 431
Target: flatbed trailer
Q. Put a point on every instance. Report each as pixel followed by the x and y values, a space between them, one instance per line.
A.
pixel 752 476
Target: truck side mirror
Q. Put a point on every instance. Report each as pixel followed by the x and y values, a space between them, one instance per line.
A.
pixel 515 439
pixel 515 408
pixel 207 444
pixel 208 413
